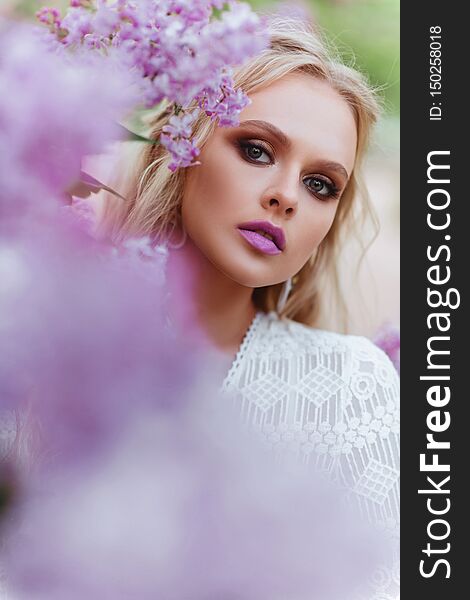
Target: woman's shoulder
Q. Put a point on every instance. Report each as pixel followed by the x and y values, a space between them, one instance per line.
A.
pixel 288 337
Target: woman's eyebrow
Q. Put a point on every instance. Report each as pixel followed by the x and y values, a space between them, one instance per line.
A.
pixel 272 129
pixel 285 141
pixel 334 166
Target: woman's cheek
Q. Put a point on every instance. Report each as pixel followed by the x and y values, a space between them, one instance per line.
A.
pixel 315 230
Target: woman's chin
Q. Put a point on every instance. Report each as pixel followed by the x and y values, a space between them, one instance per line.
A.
pixel 246 276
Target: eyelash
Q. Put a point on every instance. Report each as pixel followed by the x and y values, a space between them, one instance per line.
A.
pixel 333 190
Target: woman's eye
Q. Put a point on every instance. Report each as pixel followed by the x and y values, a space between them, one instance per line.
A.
pixel 321 187
pixel 255 153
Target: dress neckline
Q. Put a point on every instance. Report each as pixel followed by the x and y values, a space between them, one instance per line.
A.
pixel 247 338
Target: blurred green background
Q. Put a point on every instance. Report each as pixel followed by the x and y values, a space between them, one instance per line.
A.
pixel 364 31
pixel 366 34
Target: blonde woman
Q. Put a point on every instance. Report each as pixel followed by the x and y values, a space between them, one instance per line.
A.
pixel 260 220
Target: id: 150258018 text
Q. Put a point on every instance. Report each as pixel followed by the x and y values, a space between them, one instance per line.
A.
pixel 435 72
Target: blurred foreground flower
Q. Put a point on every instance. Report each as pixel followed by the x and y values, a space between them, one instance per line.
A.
pixel 55 112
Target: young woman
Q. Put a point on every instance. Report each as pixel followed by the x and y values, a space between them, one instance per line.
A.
pixel 260 221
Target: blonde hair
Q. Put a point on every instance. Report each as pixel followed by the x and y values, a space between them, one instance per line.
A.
pixel 154 193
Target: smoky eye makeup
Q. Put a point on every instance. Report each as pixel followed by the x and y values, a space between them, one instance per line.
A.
pixel 322 187
pixel 255 151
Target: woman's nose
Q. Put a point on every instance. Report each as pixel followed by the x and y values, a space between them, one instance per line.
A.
pixel 282 199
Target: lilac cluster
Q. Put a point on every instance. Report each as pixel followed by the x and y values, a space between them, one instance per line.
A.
pixel 50 17
pixel 178 50
pixel 224 102
pixel 176 139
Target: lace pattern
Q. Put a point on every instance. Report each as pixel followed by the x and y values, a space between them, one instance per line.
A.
pixel 249 335
pixel 332 401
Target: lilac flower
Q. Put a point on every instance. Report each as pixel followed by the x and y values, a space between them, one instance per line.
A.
pixel 388 339
pixel 80 3
pixel 176 139
pixel 180 126
pixel 175 50
pixel 50 17
pixel 183 151
pixel 78 23
pixel 224 102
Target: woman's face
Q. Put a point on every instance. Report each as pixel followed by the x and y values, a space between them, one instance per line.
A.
pixel 279 174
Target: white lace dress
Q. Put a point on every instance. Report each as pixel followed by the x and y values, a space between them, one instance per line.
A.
pixel 332 400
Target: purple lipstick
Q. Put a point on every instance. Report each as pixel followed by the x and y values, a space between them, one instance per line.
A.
pixel 263 236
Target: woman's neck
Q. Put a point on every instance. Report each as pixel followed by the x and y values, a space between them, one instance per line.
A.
pixel 223 308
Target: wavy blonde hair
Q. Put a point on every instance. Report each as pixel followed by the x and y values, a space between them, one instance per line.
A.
pixel 154 193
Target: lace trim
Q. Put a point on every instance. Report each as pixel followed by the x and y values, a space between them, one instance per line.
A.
pixel 248 337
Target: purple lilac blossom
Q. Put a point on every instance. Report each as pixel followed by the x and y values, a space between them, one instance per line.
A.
pixel 176 139
pixel 388 339
pixel 50 17
pixel 176 50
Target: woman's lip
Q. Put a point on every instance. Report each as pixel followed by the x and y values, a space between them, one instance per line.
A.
pixel 265 226
pixel 259 242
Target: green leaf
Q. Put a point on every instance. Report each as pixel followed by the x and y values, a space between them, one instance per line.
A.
pixel 131 136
